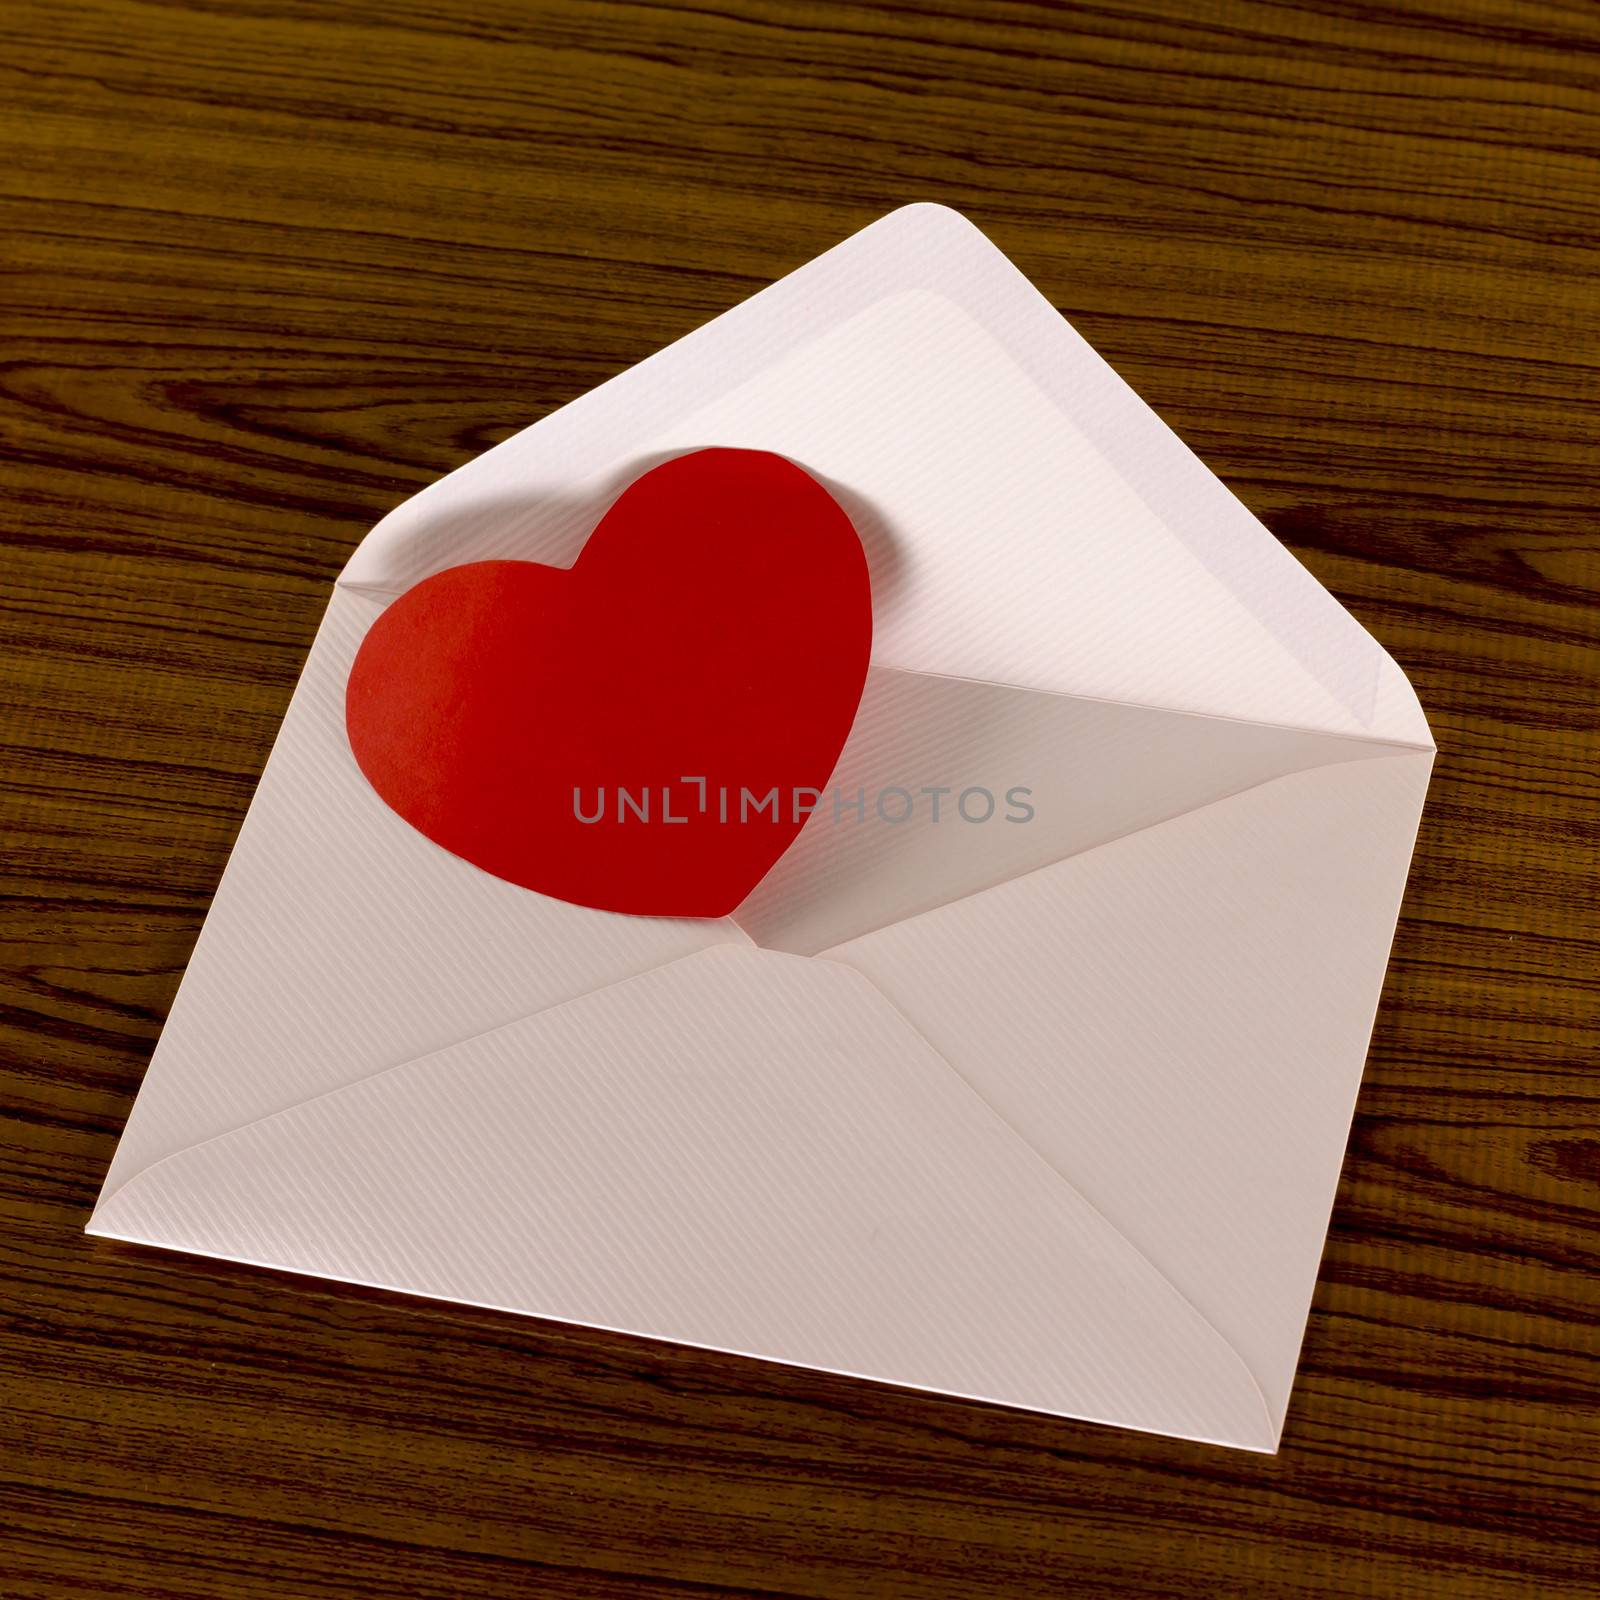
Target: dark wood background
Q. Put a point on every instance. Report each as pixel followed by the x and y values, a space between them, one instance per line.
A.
pixel 270 267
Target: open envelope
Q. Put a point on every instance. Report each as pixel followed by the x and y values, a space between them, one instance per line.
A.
pixel 1047 1112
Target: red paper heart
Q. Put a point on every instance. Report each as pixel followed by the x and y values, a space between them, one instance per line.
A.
pixel 716 626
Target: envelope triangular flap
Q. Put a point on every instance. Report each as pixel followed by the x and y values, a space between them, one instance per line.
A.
pixel 341 941
pixel 1178 1021
pixel 740 1150
pixel 1030 520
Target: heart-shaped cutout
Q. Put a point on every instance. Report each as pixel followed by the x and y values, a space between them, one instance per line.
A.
pixel 647 731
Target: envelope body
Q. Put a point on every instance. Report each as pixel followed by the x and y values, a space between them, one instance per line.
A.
pixel 1040 1103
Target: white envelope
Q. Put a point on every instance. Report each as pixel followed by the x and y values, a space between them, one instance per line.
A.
pixel 1048 1113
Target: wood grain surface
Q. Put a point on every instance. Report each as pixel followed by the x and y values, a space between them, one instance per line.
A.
pixel 270 267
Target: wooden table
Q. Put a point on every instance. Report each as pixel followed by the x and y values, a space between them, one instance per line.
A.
pixel 272 266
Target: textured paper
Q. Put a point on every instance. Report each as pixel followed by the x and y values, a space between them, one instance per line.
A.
pixel 1047 1114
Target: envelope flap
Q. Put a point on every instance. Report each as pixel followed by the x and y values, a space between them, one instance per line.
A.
pixel 1178 1020
pixel 741 1150
pixel 341 941
pixel 1029 519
